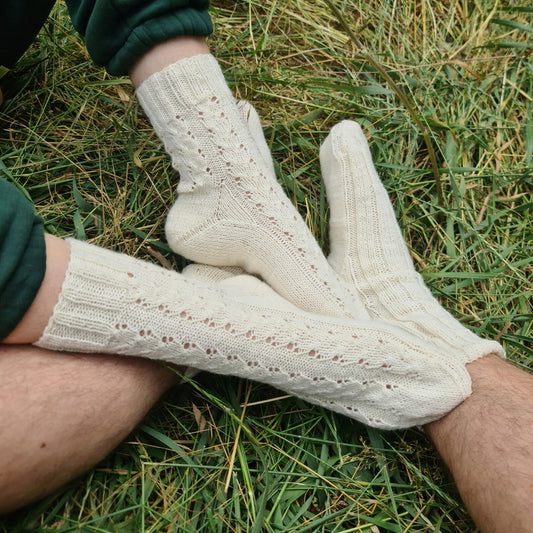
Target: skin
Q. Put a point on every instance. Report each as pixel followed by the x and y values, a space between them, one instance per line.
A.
pixel 164 54
pixel 53 404
pixel 30 328
pixel 62 414
pixel 486 444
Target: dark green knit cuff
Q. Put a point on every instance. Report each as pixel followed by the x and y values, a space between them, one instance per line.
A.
pixel 118 32
pixel 187 22
pixel 22 256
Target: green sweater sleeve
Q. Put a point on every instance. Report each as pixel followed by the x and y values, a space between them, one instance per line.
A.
pixel 22 256
pixel 20 21
pixel 117 32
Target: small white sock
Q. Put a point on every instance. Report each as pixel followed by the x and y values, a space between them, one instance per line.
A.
pixel 231 209
pixel 368 249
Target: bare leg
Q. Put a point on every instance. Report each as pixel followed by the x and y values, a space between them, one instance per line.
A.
pixel 164 54
pixel 486 443
pixel 61 414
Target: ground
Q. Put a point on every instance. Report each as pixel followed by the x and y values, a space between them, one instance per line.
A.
pixel 75 140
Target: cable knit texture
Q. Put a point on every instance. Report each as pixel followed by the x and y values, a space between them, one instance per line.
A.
pixel 368 370
pixel 231 209
pixel 368 250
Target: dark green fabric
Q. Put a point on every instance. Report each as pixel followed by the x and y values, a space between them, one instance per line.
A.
pixel 117 32
pixel 22 256
pixel 20 22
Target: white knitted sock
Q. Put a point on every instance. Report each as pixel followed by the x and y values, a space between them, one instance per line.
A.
pixel 374 372
pixel 368 250
pixel 231 209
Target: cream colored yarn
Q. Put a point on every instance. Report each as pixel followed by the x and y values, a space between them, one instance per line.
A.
pixel 368 250
pixel 367 247
pixel 398 361
pixel 230 208
pixel 368 370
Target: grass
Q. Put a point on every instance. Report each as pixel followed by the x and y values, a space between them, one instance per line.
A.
pixel 75 141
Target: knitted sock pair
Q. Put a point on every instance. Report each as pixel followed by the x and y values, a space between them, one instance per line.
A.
pixel 361 334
